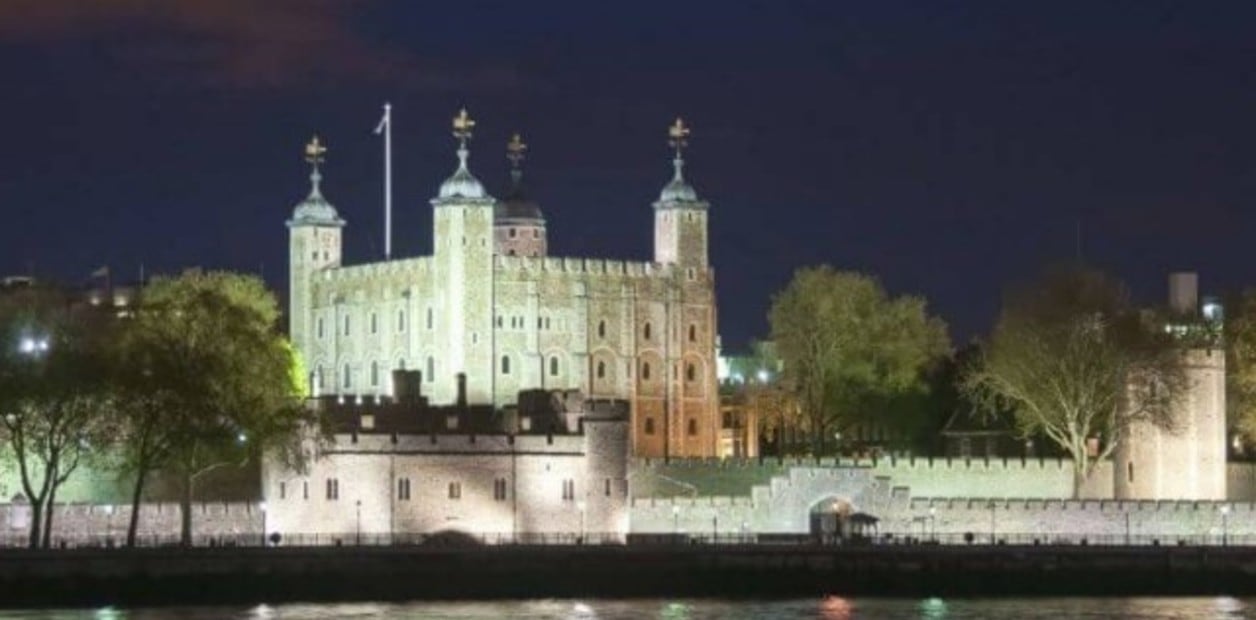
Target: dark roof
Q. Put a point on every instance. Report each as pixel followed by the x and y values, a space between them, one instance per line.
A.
pixel 516 207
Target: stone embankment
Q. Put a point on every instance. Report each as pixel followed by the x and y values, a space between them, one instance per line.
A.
pixel 272 575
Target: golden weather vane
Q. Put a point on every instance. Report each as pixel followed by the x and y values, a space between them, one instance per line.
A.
pixel 463 124
pixel 678 135
pixel 515 150
pixel 314 151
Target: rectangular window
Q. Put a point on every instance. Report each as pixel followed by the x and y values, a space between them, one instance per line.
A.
pixel 305 489
pixel 403 489
pixel 569 490
pixel 283 490
pixel 401 320
pixel 333 489
pixel 499 489
pixel 608 487
pixel 347 325
pixel 374 323
pixel 320 327
pixel 455 490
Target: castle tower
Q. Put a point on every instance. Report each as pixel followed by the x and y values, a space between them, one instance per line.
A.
pixel 683 397
pixel 519 225
pixel 1187 459
pixel 680 218
pixel 314 242
pixel 463 249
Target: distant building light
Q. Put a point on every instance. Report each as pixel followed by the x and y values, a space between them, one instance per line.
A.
pixel 1212 311
pixel 27 345
pixel 764 375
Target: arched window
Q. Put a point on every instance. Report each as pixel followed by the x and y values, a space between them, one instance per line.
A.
pixel 431 368
pixel 601 329
pixel 691 372
pixel 693 333
pixel 601 370
pixel 374 374
pixel 553 365
pixel 505 364
pixel 401 364
pixel 645 332
pixel 649 426
pixel 645 371
pixel 318 377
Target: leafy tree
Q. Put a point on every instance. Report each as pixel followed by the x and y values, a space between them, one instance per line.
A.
pixel 54 395
pixel 850 352
pixel 1076 362
pixel 207 382
pixel 1240 343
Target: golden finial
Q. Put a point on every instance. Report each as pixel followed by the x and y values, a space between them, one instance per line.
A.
pixel 515 150
pixel 314 151
pixel 463 124
pixel 678 135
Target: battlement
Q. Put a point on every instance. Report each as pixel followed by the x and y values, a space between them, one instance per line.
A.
pixel 580 266
pixel 888 464
pixel 419 264
pixel 556 445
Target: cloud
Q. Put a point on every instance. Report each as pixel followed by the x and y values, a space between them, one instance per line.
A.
pixel 239 43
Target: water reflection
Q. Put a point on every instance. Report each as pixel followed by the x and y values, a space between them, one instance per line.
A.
pixel 828 608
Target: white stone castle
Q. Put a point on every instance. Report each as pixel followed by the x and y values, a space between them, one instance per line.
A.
pixel 490 304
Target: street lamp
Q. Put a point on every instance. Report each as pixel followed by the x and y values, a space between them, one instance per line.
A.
pixel 1225 517
pixel 359 536
pixel 581 506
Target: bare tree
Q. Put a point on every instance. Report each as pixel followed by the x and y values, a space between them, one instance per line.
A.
pixel 1076 362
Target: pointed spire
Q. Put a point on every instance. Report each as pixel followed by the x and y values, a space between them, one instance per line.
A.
pixel 315 209
pixel 314 155
pixel 677 190
pixel 515 150
pixel 678 138
pixel 463 126
pixel 462 184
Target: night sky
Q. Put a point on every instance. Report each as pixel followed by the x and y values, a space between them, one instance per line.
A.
pixel 950 148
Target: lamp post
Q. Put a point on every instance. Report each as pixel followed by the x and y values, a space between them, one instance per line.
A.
pixel 676 520
pixel 933 523
pixel 262 506
pixel 1225 518
pixel 581 506
pixel 715 529
pixel 359 534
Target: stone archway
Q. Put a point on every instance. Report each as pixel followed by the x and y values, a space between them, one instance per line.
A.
pixel 830 519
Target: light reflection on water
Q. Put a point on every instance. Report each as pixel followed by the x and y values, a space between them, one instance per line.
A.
pixel 828 608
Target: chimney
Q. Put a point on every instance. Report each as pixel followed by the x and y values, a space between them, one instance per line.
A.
pixel 1184 292
pixel 462 390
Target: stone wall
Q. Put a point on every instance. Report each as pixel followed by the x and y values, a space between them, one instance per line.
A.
pixel 77 524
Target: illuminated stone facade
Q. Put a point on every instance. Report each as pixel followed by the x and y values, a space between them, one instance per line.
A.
pixel 396 470
pixel 498 309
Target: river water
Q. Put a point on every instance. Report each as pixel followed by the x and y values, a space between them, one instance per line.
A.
pixel 685 609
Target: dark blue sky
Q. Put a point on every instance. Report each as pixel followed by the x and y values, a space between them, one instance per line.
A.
pixel 948 147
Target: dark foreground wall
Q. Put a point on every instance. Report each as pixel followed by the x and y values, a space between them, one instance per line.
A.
pixel 159 576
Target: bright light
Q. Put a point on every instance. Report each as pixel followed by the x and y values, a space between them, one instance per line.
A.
pixel 764 375
pixel 27 345
pixel 242 438
pixel 1225 510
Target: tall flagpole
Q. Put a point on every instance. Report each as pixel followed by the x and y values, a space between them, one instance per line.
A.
pixel 385 127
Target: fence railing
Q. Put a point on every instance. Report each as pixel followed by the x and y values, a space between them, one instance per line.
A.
pixel 460 539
